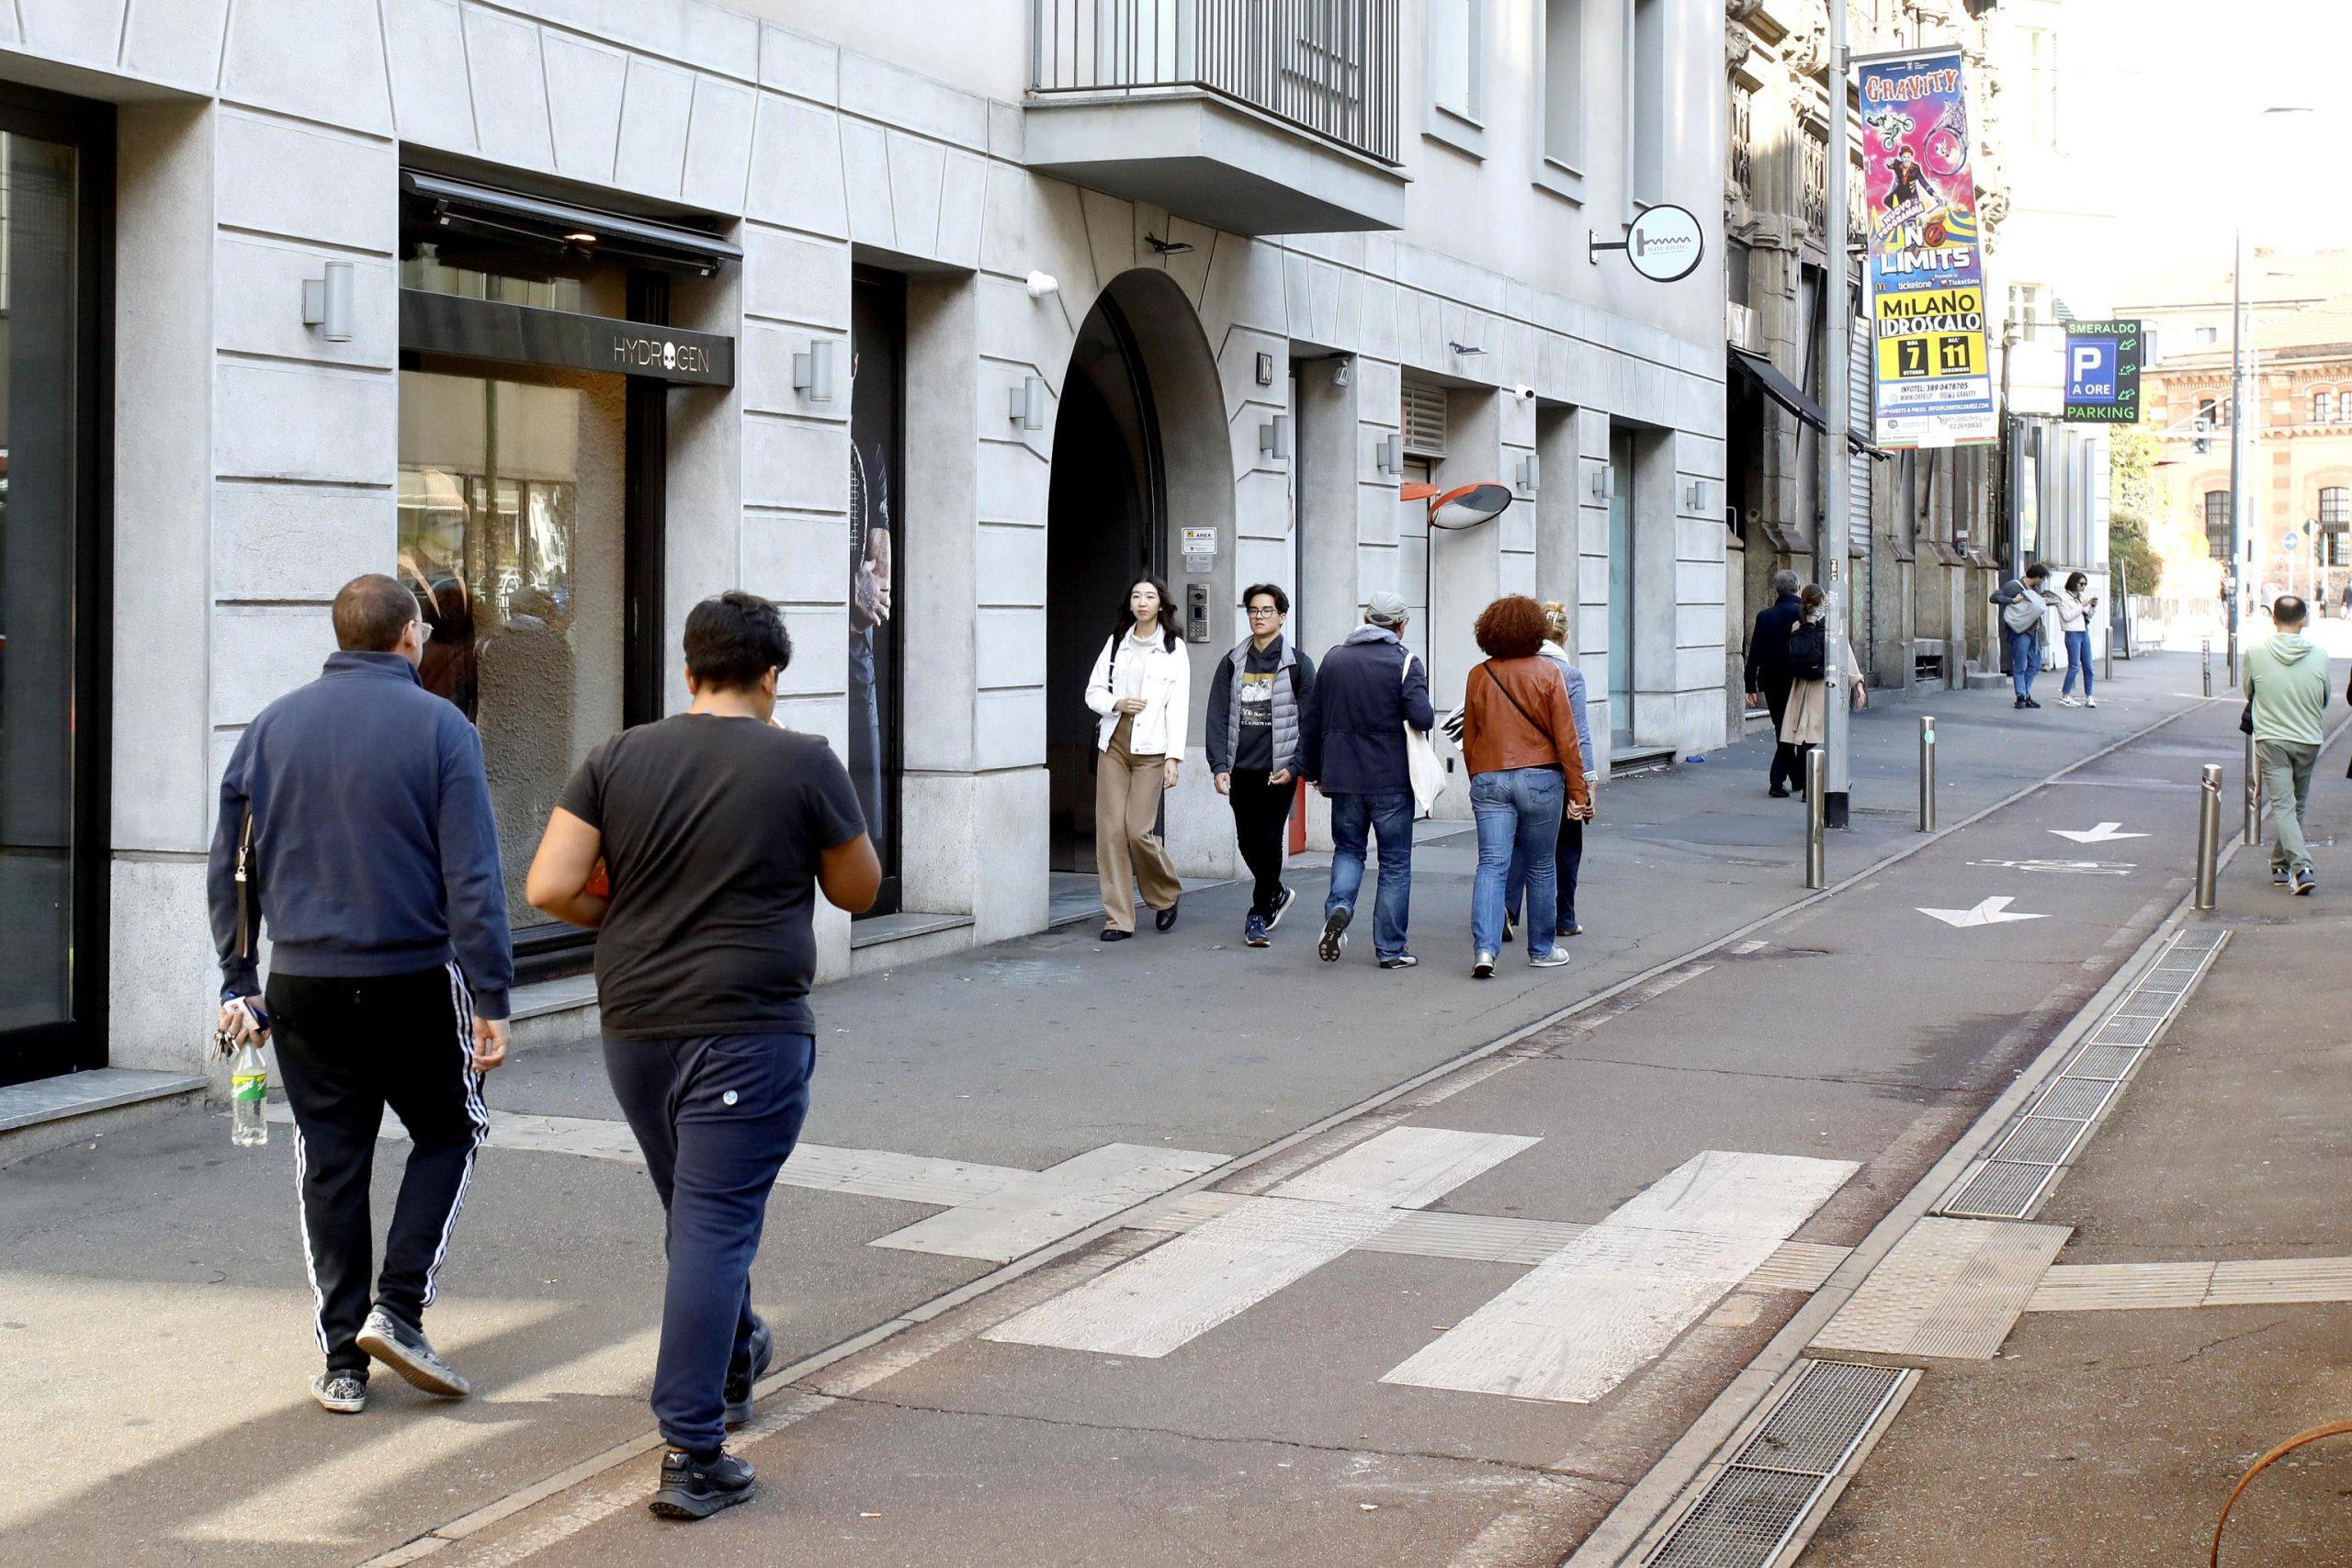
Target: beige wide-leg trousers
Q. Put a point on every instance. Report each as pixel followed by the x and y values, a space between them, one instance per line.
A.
pixel 1127 804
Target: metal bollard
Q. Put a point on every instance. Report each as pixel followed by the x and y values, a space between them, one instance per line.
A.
pixel 1817 871
pixel 2209 835
pixel 1927 774
pixel 2253 796
pixel 2209 665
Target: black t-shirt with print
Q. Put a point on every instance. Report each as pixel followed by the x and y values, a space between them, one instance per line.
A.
pixel 712 829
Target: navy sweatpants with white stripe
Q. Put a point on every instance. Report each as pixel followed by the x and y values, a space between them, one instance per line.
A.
pixel 347 1048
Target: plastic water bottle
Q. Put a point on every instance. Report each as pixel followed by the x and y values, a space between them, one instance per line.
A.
pixel 248 1091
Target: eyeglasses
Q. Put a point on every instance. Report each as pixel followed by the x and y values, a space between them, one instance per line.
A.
pixel 424 629
pixel 1265 611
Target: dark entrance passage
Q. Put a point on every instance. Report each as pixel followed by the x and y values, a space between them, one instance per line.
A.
pixel 1104 530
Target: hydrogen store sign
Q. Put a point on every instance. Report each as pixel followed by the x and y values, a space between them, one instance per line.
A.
pixel 1931 370
pixel 2103 372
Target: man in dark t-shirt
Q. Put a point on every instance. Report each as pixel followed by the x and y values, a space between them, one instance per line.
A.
pixel 717 831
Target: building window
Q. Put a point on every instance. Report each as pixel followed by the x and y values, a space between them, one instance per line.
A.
pixel 1815 173
pixel 1562 114
pixel 1743 138
pixel 2217 523
pixel 2208 414
pixel 2208 336
pixel 2025 311
pixel 1646 98
pixel 2323 407
pixel 2041 87
pixel 2336 525
pixel 1454 57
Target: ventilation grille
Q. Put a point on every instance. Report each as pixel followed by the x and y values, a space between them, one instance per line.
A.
pixel 1424 420
pixel 1747 1513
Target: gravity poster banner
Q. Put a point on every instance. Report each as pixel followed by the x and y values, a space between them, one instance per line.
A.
pixel 1930 369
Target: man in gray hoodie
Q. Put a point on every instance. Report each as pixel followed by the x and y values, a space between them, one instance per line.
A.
pixel 2286 683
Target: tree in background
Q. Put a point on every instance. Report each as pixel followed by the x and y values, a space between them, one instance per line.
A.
pixel 2136 514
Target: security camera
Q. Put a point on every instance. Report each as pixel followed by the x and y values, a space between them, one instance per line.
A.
pixel 1522 389
pixel 1041 284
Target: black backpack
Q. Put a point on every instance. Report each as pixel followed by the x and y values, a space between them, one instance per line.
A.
pixel 1809 650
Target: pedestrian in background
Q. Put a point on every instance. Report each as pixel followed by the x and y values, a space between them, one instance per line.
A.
pixel 2286 687
pixel 1518 740
pixel 1567 859
pixel 356 826
pixel 2022 607
pixel 1256 700
pixel 2077 604
pixel 1142 688
pixel 1368 688
pixel 717 828
pixel 1807 725
pixel 1769 677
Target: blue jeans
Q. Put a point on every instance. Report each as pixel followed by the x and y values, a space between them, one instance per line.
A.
pixel 2025 662
pixel 2079 658
pixel 716 1115
pixel 1566 862
pixel 1519 814
pixel 1391 817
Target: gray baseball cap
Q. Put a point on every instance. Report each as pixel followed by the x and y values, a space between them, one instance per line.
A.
pixel 1384 609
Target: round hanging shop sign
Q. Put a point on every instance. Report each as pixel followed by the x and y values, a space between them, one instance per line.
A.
pixel 1665 243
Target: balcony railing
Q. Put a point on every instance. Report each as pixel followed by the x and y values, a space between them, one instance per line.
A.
pixel 1327 67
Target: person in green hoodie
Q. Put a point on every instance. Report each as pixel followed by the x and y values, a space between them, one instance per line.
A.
pixel 2286 683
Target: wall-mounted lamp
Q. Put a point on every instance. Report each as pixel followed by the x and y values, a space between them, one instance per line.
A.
pixel 1028 403
pixel 1041 284
pixel 812 373
pixel 326 302
pixel 1265 369
pixel 1698 498
pixel 1604 482
pixel 1390 455
pixel 1273 436
pixel 1531 473
pixel 1344 371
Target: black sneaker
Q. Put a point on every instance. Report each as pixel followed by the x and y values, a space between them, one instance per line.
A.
pixel 346 1394
pixel 1778 792
pixel 409 1353
pixel 740 1381
pixel 1399 961
pixel 696 1488
pixel 1282 901
pixel 1510 929
pixel 2304 881
pixel 2031 703
pixel 1334 940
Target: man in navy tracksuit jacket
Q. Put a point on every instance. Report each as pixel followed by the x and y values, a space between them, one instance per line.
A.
pixel 356 828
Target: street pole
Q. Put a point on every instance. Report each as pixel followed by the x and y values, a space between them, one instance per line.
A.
pixel 1830 552
pixel 2241 458
pixel 2208 833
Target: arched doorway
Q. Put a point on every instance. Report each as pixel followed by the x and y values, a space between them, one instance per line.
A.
pixel 1140 449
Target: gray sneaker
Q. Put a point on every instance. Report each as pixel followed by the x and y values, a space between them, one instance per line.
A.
pixel 2304 881
pixel 346 1394
pixel 1551 960
pixel 409 1353
pixel 1482 966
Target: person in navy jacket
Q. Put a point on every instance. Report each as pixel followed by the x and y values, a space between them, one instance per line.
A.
pixel 1352 750
pixel 356 828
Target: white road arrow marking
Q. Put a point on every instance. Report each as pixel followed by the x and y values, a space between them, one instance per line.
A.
pixel 1991 912
pixel 2105 832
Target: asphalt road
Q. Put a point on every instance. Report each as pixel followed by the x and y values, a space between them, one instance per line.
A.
pixel 1851 1032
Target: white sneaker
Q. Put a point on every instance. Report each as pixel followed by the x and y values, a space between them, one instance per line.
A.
pixel 1551 960
pixel 2090 702
pixel 2067 702
pixel 1483 968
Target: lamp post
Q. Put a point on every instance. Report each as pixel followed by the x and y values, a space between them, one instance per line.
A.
pixel 1831 552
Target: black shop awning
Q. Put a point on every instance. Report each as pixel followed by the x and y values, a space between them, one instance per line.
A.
pixel 1766 377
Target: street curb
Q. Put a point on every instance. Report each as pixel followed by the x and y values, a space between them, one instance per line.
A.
pixel 1658 1501
pixel 497 1510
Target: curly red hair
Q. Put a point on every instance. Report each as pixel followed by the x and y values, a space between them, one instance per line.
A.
pixel 1511 628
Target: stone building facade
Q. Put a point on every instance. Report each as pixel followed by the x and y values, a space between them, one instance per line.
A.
pixel 935 321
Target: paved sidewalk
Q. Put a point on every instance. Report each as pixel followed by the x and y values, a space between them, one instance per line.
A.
pixel 2202 1309
pixel 154 1335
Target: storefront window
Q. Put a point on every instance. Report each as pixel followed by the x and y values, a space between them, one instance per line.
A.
pixel 511 532
pixel 877 395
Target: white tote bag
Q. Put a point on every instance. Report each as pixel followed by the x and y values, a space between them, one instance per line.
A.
pixel 1421 760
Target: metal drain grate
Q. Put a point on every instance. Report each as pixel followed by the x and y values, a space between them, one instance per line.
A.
pixel 1752 1508
pixel 2127 1031
pixel 2103 1062
pixel 2077 1098
pixel 2040 1140
pixel 1999 1191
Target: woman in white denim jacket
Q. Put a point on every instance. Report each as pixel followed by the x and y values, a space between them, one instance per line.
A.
pixel 1142 687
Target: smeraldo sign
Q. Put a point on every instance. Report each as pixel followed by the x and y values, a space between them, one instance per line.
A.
pixel 1665 243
